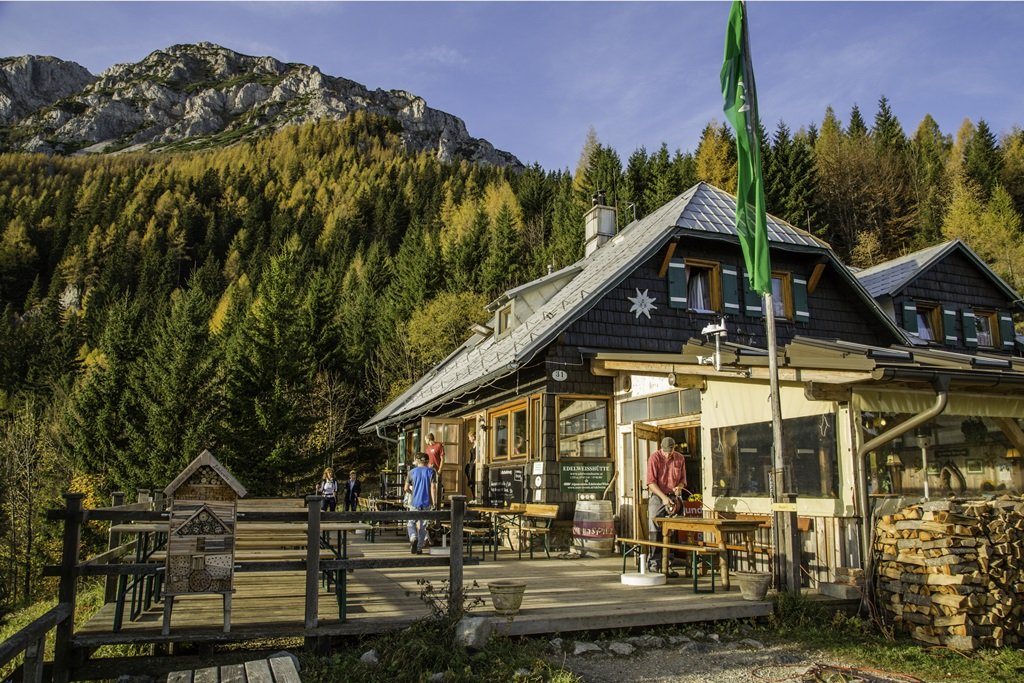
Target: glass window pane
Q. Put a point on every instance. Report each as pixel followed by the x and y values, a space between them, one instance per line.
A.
pixel 500 427
pixel 698 288
pixel 519 432
pixel 634 411
pixel 690 401
pixel 665 405
pixel 593 448
pixel 778 297
pixel 984 333
pixel 582 428
pixel 741 459
pixel 924 326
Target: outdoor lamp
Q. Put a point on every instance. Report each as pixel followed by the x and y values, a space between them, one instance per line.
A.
pixel 893 460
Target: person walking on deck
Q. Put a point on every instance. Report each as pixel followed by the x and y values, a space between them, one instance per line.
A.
pixel 421 485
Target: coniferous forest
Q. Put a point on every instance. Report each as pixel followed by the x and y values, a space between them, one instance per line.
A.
pixel 263 300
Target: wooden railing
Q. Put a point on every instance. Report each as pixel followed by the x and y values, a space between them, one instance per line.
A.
pixel 30 639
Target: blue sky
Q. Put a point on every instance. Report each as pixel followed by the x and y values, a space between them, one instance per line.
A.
pixel 533 77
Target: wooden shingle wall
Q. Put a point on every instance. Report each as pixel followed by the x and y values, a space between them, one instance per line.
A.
pixel 835 312
pixel 955 283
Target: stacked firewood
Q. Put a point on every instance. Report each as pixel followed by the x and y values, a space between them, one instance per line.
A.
pixel 951 572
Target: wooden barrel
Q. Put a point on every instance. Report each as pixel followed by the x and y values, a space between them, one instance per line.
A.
pixel 593 527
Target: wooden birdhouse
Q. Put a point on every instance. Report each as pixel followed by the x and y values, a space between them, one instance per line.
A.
pixel 201 537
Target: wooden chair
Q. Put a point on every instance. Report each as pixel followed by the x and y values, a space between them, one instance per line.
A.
pixel 537 523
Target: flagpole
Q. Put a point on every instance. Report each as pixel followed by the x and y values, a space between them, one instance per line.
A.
pixel 787 555
pixel 740 95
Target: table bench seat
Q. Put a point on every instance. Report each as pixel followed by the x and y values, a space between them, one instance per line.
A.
pixel 699 555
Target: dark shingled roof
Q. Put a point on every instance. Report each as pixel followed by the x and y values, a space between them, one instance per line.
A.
pixel 702 208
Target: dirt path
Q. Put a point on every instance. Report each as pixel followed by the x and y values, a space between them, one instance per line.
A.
pixel 706 658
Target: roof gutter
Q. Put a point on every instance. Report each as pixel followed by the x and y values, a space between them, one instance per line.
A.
pixel 941 385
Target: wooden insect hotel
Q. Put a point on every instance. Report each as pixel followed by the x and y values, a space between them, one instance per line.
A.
pixel 201 538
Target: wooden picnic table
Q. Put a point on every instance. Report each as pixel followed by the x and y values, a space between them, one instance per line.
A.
pixel 500 517
pixel 719 528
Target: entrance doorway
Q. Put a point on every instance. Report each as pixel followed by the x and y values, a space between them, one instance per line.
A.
pixel 646 439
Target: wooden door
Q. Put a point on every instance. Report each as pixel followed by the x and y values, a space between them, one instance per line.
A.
pixel 646 440
pixel 449 434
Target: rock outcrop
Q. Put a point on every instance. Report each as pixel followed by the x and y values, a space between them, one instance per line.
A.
pixel 204 94
pixel 30 83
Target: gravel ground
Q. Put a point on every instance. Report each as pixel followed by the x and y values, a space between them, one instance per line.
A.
pixel 700 658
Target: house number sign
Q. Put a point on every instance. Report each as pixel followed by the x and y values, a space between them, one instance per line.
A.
pixel 559 375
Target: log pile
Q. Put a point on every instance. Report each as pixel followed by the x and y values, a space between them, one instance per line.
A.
pixel 951 572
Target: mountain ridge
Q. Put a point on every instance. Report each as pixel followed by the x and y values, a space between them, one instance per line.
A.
pixel 194 95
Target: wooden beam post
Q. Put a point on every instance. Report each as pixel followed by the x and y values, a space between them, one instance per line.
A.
pixel 790 540
pixel 312 561
pixel 62 655
pixel 113 540
pixel 455 592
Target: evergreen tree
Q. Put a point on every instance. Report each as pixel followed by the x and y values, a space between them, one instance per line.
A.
pixel 635 181
pixel 887 132
pixel 268 383
pixel 928 151
pixel 566 244
pixel 177 385
pixel 503 267
pixel 103 411
pixel 982 161
pixel 1011 174
pixel 857 128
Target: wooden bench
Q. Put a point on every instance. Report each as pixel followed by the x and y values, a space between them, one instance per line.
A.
pixel 482 535
pixel 536 524
pixel 700 555
pixel 279 669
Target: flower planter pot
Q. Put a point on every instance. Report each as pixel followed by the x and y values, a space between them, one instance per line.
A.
pixel 753 585
pixel 507 596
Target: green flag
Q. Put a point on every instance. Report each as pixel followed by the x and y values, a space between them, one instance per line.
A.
pixel 741 110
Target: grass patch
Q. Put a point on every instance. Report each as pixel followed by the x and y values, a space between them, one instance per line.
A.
pixel 428 647
pixel 807 623
pixel 89 601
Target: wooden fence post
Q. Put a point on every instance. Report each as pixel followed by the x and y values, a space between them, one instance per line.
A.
pixel 789 538
pixel 68 583
pixel 312 561
pixel 113 540
pixel 455 596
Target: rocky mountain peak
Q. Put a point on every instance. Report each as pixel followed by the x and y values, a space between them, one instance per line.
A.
pixel 204 94
pixel 29 82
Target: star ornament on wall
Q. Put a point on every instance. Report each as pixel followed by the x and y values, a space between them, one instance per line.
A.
pixel 643 304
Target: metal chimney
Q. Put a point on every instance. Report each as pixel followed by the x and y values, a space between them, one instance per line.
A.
pixel 599 224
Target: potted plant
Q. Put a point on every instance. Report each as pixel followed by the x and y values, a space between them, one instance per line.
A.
pixel 507 595
pixel 753 585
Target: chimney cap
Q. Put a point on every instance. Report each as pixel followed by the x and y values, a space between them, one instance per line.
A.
pixel 599 198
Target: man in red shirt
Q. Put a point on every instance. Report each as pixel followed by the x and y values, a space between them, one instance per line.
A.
pixel 666 477
pixel 435 454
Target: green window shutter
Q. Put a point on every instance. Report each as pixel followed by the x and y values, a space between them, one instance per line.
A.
pixel 677 283
pixel 949 326
pixel 970 328
pixel 730 290
pixel 910 317
pixel 801 311
pixel 752 301
pixel 1006 332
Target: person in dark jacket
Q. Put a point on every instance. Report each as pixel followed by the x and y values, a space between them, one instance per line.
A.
pixel 352 491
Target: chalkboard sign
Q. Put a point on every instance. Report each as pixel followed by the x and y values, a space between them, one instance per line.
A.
pixel 505 485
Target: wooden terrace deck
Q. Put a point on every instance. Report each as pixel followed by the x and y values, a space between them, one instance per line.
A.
pixel 561 596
